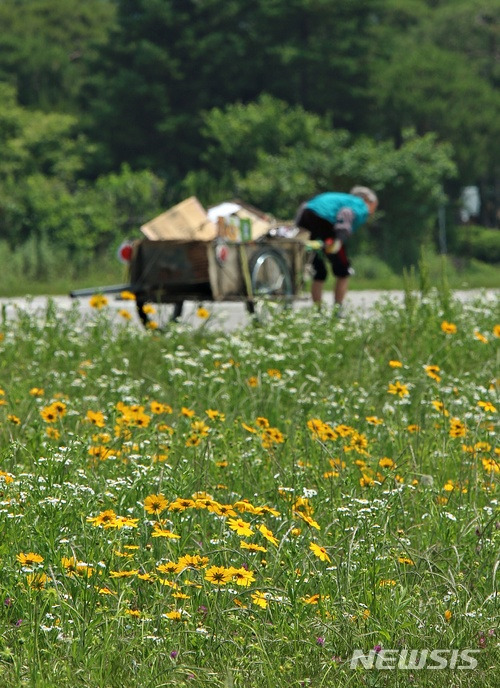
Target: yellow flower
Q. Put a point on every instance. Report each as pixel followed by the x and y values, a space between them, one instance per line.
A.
pixel 218 575
pixel 189 413
pixel 406 560
pixel 262 422
pixel 385 462
pixel 267 534
pixel 398 388
pixel 448 328
pixel 98 301
pixel 432 371
pixel 240 527
pixel 6 477
pixel 148 309
pixel 373 420
pixel 36 392
pixel 272 372
pixel 242 576
pixel 127 296
pixel 155 504
pixel 203 313
pixel 496 331
pixel 480 337
pixel 311 599
pixel 487 406
pixel 37 581
pixel 447 615
pixel 320 552
pixel 253 381
pixel 125 314
pixel 215 415
pixel 259 598
pixel 29 559
pixel 252 547
pixel 174 615
pixel 96 418
pixel 395 364
pixel 13 419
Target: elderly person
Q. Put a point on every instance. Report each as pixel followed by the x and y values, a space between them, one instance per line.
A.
pixel 332 217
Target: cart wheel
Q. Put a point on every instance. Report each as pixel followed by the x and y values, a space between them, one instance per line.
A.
pixel 271 279
pixel 158 315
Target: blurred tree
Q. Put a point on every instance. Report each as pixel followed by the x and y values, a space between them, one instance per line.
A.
pixel 44 46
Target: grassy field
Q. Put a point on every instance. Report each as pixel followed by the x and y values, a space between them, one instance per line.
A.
pixel 187 508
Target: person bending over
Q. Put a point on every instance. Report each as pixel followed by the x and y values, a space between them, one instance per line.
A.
pixel 332 217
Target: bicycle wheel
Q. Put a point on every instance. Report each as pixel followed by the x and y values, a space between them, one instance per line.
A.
pixel 270 278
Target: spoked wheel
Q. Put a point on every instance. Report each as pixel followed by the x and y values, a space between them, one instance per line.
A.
pixel 271 281
pixel 158 315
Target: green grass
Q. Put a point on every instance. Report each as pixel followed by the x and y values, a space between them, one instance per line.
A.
pixel 372 441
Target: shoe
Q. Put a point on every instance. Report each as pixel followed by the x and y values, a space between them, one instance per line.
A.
pixel 338 311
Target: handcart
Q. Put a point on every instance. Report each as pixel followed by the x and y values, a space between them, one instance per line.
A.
pixel 164 274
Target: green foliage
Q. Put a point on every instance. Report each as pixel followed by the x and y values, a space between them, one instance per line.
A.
pixel 45 47
pixel 478 242
pixel 304 156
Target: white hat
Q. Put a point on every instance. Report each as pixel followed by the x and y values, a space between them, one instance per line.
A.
pixel 366 193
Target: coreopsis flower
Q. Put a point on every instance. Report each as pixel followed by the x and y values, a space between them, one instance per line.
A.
pixel 457 428
pixel 448 327
pixel 395 364
pixel 439 406
pixel 373 420
pixel 125 314
pixel 447 615
pixel 106 519
pixel 148 309
pixel 242 576
pixel 53 433
pixel 272 372
pixel 406 560
pixel 158 532
pixel 192 561
pixel 37 581
pixel 29 559
pixel 267 534
pixel 487 406
pixel 215 415
pixel 320 552
pixel 127 296
pixel 240 527
pixel 386 462
pixel 252 547
pixel 398 388
pixel 155 504
pixel 496 331
pixel 259 598
pixel 36 392
pixel 15 420
pixel 480 337
pixel 432 371
pixel 96 418
pixel 262 422
pixel 203 313
pixel 6 477
pixel 98 301
pixel 218 575
pixel 253 381
pixel 174 615
pixel 169 567
pixel 311 599
pixel 188 413
pixel 152 325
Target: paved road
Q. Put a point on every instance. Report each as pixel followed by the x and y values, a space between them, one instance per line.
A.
pixel 226 316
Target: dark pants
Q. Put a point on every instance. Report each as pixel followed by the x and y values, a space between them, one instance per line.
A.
pixel 321 230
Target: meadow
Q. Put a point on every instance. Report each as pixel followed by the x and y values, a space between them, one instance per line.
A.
pixel 192 508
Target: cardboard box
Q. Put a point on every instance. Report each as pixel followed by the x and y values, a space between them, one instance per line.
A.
pixel 187 221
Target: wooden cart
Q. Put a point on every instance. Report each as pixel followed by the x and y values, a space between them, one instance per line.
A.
pixel 164 274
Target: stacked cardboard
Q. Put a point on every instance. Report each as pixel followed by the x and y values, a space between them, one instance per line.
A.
pixel 187 221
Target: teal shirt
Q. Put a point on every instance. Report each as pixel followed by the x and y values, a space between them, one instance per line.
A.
pixel 328 204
